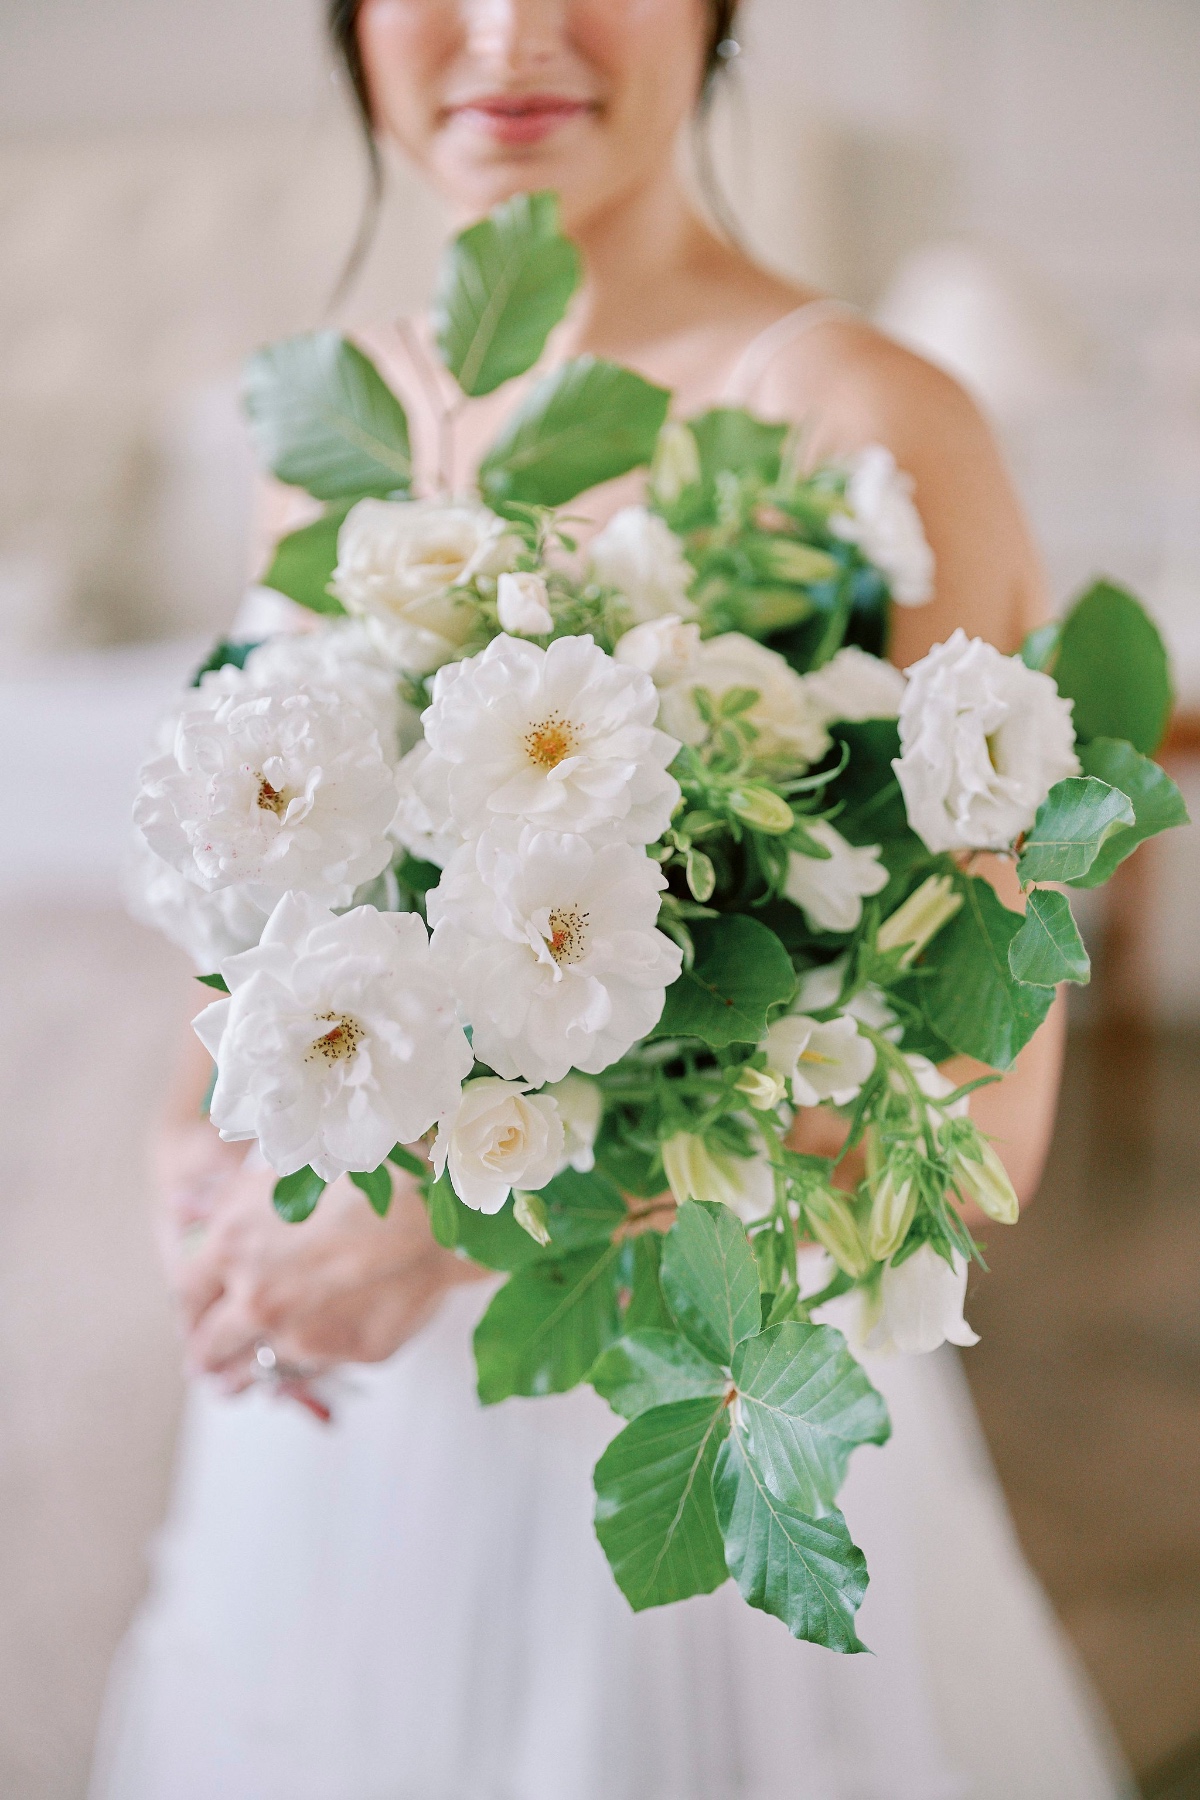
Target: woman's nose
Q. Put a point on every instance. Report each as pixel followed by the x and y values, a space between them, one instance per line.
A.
pixel 515 36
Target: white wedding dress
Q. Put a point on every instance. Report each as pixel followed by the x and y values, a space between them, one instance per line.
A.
pixel 411 1604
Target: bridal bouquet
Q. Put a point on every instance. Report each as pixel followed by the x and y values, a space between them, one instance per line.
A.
pixel 561 877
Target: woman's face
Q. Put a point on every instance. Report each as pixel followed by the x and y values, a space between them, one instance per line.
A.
pixel 494 97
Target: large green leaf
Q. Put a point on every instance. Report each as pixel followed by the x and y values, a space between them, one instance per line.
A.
pixel 1073 821
pixel 805 1571
pixel 324 419
pixel 1157 803
pixel 654 1503
pixel 582 1209
pixel 647 1309
pixel 1048 948
pixel 548 1324
pixel 584 423
pixel 1111 661
pixel 968 992
pixel 710 1278
pixel 295 1196
pixel 304 561
pixel 503 286
pixel 741 971
pixel 651 1368
pixel 805 1404
pixel 729 438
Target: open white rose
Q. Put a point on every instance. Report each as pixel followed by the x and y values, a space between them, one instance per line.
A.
pixel 338 1040
pixel 819 1062
pixel 885 524
pixel 523 604
pixel 399 564
pixel 983 739
pixel 552 946
pixel 791 731
pixel 853 686
pixel 665 649
pixel 206 927
pixel 694 1172
pixel 422 822
pixel 638 554
pixel 495 1138
pixel 340 656
pixel 829 892
pixel 580 1107
pixel 563 737
pixel 270 790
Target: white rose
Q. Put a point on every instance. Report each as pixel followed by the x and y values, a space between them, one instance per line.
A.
pixel 665 649
pixel 580 1106
pixel 340 656
pixel 523 604
pixel 338 1040
pixel 206 927
pixel 791 732
pixel 270 791
pixel 830 892
pixel 819 1062
pixel 495 1138
pixel 563 737
pixel 883 521
pixel 399 564
pixel 983 739
pixel 853 686
pixel 638 554
pixel 422 822
pixel 694 1172
pixel 553 948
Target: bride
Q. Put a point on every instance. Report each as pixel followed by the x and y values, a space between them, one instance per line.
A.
pixel 410 1604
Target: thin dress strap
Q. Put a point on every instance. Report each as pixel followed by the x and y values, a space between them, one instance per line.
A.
pixel 762 349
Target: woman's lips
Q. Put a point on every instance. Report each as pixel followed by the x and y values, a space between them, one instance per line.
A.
pixel 520 119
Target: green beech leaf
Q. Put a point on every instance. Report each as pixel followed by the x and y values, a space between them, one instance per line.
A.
pixel 1111 661
pixel 805 1571
pixel 1048 948
pixel 376 1184
pixel 585 423
pixel 214 981
pixel 647 1309
pixel 644 1369
pixel 805 1404
pixel 730 438
pixel 224 654
pixel 967 991
pixel 324 419
pixel 741 971
pixel 1040 647
pixel 1157 803
pixel 304 562
pixel 1073 822
pixel 582 1209
pixel 504 285
pixel 654 1503
pixel 444 1208
pixel 548 1324
pixel 296 1195
pixel 406 1159
pixel 710 1278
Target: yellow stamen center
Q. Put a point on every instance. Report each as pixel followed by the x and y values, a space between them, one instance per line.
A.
pixel 548 743
pixel 271 799
pixel 338 1044
pixel 568 935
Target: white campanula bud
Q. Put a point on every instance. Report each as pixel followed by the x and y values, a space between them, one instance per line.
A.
pixel 762 809
pixel 979 1175
pixel 919 918
pixel 676 464
pixel 829 1220
pixel 763 1088
pixel 893 1206
pixel 694 1172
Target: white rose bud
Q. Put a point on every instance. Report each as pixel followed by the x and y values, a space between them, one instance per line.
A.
pixel 523 604
pixel 664 649
pixel 676 462
pixel 529 1210
pixel 498 1137
pixel 638 554
pixel 919 918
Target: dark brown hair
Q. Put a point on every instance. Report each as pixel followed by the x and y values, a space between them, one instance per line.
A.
pixel 343 31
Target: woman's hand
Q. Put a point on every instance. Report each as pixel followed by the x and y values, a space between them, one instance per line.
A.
pixel 345 1286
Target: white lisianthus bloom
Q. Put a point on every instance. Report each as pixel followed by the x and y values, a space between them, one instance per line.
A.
pixel 270 791
pixel 580 1106
pixel 552 947
pixel 340 656
pixel 399 564
pixel 829 892
pixel 523 604
pixel 819 1062
pixel 694 1172
pixel 422 822
pixel 819 988
pixel 791 732
pixel 664 649
pixel 882 520
pixel 497 1137
pixel 563 738
pixel 338 1040
pixel 983 739
pixel 206 927
pixel 638 554
pixel 853 686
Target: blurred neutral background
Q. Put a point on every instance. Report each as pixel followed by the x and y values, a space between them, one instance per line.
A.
pixel 1011 185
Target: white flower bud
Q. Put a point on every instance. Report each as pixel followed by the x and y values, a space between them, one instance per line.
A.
pixel 979 1174
pixel 762 809
pixel 830 1221
pixel 580 1106
pixel 523 604
pixel 694 1172
pixel 662 648
pixel 920 917
pixel 763 1088
pixel 676 462
pixel 529 1210
pixel 893 1205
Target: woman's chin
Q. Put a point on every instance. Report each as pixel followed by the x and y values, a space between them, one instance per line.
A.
pixel 477 173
